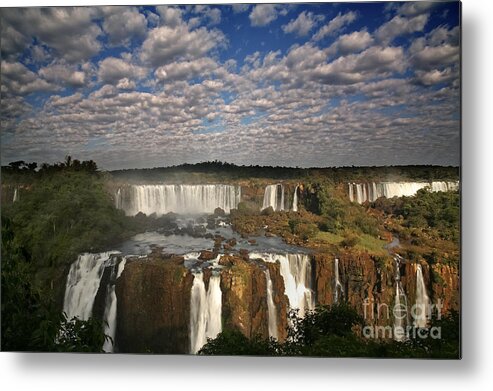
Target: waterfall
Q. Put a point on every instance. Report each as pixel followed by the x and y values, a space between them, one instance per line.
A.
pixel 83 282
pixel 110 308
pixel 118 199
pixel 296 271
pixel 184 199
pixel 271 308
pixel 423 303
pixel 205 310
pixel 295 199
pixel 16 195
pixel 362 192
pixel 274 196
pixel 400 310
pixel 337 283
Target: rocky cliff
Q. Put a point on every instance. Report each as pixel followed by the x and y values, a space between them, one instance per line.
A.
pixel 154 295
pixel 153 306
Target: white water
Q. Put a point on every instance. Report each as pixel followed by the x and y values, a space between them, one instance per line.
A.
pixel 205 311
pixel 184 199
pixel 110 309
pixel 338 289
pixel 16 195
pixel 362 192
pixel 422 300
pixel 274 196
pixel 83 282
pixel 296 271
pixel 400 310
pixel 295 200
pixel 271 308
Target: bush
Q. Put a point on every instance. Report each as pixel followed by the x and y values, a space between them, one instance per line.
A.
pixel 269 211
pixel 306 230
pixel 350 240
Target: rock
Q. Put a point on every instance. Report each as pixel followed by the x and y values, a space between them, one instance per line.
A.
pixel 267 211
pixel 219 212
pixel 153 307
pixel 207 255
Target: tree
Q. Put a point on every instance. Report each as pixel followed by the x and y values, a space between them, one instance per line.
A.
pixel 29 321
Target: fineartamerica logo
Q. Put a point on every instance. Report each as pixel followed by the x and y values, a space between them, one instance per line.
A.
pixel 408 322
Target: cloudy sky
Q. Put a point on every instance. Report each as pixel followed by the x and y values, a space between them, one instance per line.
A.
pixel 295 85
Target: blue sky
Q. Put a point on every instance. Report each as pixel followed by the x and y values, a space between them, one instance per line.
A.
pixel 331 84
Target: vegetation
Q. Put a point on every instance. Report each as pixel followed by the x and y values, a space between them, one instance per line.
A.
pixel 30 322
pixel 222 171
pixel 65 212
pixel 439 211
pixel 336 332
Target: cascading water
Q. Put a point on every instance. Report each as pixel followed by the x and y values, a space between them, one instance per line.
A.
pixel 423 302
pixel 184 199
pixel 295 200
pixel 400 310
pixel 16 195
pixel 338 290
pixel 205 310
pixel 274 196
pixel 83 282
pixel 362 192
pixel 296 270
pixel 110 308
pixel 271 308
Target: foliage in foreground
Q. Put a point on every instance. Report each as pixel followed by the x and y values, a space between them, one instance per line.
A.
pixel 333 332
pixel 30 322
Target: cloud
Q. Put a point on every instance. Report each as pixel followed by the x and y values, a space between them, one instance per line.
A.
pixel 263 14
pixel 435 76
pixel 112 70
pixel 176 89
pixel 164 44
pixel 239 8
pixel 126 84
pixel 335 25
pixel 303 24
pixel 68 30
pixel 367 65
pixel 60 73
pixel 17 79
pixel 415 8
pixel 433 56
pixel 398 26
pixel 170 16
pixel 186 69
pixel 13 42
pixel 351 43
pixel 211 14
pixel 123 23
pixel 57 100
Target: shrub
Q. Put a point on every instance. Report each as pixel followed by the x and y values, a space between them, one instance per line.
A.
pixel 350 240
pixel 306 230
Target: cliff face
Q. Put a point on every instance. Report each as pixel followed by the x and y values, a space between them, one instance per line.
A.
pixel 244 287
pixel 153 307
pixel 154 295
pixel 369 284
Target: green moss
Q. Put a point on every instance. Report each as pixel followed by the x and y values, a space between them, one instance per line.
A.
pixel 371 244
